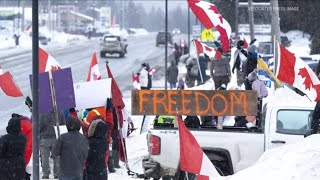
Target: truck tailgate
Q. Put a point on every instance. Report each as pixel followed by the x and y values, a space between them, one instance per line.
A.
pixel 244 147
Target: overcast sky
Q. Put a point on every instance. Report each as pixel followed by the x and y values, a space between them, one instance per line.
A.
pixel 161 3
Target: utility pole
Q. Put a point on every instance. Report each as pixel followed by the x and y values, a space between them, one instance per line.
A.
pixel 251 19
pixel 237 19
pixel 189 31
pixel 35 90
pixel 166 45
pixel 22 16
pixel 275 28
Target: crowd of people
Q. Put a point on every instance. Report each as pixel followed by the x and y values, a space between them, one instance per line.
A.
pixel 76 156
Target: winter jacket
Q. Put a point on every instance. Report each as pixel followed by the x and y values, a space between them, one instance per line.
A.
pixel 143 77
pixel 315 118
pixel 220 67
pixel 72 147
pixel 12 146
pixel 260 87
pixel 192 121
pixel 26 129
pixel 239 59
pixel 96 164
pixel 105 114
pixel 251 63
pixel 173 73
pixel 47 123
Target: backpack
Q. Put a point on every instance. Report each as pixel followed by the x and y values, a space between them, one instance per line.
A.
pixel 194 71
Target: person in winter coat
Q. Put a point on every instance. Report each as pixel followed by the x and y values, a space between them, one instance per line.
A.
pixel 26 129
pixel 192 72
pixel 180 84
pixel 95 164
pixel 315 119
pixel 257 84
pixel 72 148
pixel 203 63
pixel 48 141
pixel 192 121
pixel 104 111
pixel 240 57
pixel 12 148
pixel 172 74
pixel 220 72
pixel 177 53
pixel 143 76
pixel 251 64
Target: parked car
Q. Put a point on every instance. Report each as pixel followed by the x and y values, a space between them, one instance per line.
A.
pixel 113 44
pixel 43 39
pixel 161 38
pixel 231 149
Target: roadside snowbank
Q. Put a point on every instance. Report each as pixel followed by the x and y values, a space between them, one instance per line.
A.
pixel 300 43
pixel 298 161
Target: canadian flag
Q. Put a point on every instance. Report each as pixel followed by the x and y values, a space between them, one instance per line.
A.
pixel 297 73
pixel 94 72
pixel 210 17
pixel 136 81
pixel 209 51
pixel 245 42
pixel 47 62
pixel 8 86
pixel 192 158
pixel 152 71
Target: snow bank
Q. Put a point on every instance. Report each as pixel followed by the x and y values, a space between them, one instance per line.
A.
pixel 298 161
pixel 118 32
pixel 60 37
pixel 138 31
pixel 300 43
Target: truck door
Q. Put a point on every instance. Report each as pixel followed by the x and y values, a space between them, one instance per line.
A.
pixel 287 126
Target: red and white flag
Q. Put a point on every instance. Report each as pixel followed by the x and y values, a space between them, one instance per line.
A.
pixel 8 85
pixel 136 81
pixel 297 73
pixel 192 158
pixel 210 17
pixel 94 72
pixel 245 42
pixel 152 71
pixel 47 62
pixel 209 51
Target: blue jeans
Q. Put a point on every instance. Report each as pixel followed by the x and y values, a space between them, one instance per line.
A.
pixel 63 177
pixel 173 85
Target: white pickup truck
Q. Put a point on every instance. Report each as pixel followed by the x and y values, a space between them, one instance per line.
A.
pixel 284 120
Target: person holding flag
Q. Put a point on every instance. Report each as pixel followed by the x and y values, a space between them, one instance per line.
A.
pixel 240 57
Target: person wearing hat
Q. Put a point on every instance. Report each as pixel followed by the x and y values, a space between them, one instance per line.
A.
pixel 220 71
pixel 251 63
pixel 143 76
pixel 72 148
pixel 240 57
pixel 257 84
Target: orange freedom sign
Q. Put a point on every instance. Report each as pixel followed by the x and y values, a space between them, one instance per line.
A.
pixel 194 102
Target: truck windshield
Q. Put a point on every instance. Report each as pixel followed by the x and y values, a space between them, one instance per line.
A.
pixel 296 122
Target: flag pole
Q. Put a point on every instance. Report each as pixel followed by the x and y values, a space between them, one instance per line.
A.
pixel 187 175
pixel 275 59
pixel 54 102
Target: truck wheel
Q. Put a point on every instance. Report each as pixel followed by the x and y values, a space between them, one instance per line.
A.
pixel 181 175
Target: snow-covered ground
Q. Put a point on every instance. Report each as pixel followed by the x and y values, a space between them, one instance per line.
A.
pixel 300 161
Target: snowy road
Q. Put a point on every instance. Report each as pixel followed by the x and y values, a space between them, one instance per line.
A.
pixel 78 56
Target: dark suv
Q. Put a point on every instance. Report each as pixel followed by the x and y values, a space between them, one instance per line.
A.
pixel 161 38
